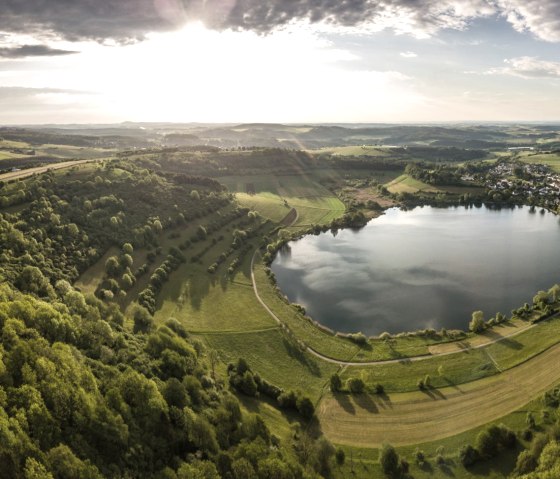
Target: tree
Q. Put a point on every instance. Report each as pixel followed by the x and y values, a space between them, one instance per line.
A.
pixel 340 456
pixel 35 470
pixel 66 465
pixel 468 455
pixel 356 385
pixel 242 469
pixel 477 323
pixel 201 232
pixel 554 293
pixel 305 407
pixel 127 248
pixel 248 384
pixel 540 298
pixel 143 321
pixel 487 442
pixel 336 382
pixel 389 460
pixel 127 281
pixel 112 267
pixel 32 280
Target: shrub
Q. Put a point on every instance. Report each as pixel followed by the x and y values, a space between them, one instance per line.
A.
pixel 389 461
pixel 468 455
pixel 335 382
pixel 356 385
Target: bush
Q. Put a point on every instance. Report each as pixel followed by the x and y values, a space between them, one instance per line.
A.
pixel 305 407
pixel 335 382
pixel 468 455
pixel 356 385
pixel 389 461
pixel 358 338
pixel 477 324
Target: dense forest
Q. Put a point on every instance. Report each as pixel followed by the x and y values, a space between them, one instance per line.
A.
pixel 89 392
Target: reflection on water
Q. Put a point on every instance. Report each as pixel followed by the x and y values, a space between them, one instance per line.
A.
pixel 427 267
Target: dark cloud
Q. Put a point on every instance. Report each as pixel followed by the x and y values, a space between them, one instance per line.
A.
pixel 130 20
pixel 24 51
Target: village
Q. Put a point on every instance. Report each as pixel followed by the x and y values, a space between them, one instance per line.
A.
pixel 537 184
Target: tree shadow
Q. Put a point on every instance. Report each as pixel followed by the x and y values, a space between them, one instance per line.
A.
pixel 385 400
pixel 464 346
pixel 508 342
pixel 345 403
pixel 451 384
pixel 433 393
pixel 446 469
pixel 295 352
pixel 365 402
pixel 426 467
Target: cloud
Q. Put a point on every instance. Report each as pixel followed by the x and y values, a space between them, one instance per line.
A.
pixel 25 51
pixel 528 67
pixel 408 55
pixel 131 20
pixel 16 93
pixel 540 17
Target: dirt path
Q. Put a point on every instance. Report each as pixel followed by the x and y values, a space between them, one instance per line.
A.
pixel 416 417
pixel 16 175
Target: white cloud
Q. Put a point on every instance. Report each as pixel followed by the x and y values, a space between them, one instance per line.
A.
pixel 528 67
pixel 408 55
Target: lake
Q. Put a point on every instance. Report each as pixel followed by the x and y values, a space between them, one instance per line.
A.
pixel 423 268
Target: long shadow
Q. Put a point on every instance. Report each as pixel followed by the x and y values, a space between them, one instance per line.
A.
pixel 365 402
pixel 386 400
pixel 446 469
pixel 254 405
pixel 295 352
pixel 434 393
pixel 345 403
pixel 451 384
pixel 426 467
pixel 464 346
pixel 508 342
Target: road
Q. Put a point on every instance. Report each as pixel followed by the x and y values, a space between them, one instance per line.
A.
pixel 17 175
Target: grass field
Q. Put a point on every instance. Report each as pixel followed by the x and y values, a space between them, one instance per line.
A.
pixel 550 159
pixel 285 363
pixel 273 197
pixel 363 150
pixel 407 184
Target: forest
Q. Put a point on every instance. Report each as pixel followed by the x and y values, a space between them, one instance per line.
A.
pixel 87 392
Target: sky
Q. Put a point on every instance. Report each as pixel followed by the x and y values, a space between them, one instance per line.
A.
pixel 292 61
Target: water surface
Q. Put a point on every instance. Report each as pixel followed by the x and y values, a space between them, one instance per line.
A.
pixel 427 267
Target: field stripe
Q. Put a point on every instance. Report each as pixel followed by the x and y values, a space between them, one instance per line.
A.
pixel 412 418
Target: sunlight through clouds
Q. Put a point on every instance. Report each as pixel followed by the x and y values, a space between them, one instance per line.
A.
pixel 202 75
